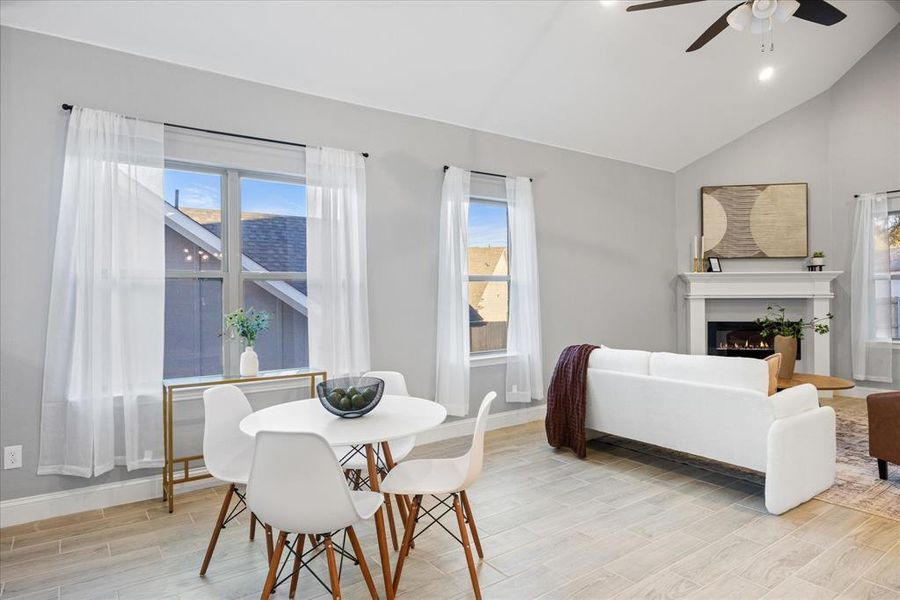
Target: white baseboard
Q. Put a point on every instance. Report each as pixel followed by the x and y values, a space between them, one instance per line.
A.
pixel 56 504
pixel 495 421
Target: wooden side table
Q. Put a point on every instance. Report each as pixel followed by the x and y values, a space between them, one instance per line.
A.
pixel 170 386
pixel 821 382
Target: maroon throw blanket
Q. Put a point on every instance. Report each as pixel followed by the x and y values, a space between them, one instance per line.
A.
pixel 566 400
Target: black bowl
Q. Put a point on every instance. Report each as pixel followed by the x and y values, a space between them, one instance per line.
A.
pixel 350 397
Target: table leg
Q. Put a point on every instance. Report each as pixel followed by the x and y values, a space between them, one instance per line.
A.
pixel 375 486
pixel 401 500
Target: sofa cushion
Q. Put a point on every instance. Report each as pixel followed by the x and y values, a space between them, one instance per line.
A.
pixel 623 361
pixel 746 373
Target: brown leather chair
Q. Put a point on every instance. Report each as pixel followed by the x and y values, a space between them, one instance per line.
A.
pixel 884 429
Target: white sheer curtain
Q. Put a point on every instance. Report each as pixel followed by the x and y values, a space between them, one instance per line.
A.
pixel 107 297
pixel 870 293
pixel 336 261
pixel 524 368
pixel 452 389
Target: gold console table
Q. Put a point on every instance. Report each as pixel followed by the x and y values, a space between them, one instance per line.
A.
pixel 170 386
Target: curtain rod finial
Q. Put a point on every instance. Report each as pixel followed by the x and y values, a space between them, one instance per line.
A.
pixel 67 107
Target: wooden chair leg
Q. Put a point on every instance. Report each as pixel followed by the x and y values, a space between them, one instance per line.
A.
pixel 298 552
pixel 252 526
pixel 332 569
pixel 465 542
pixel 402 501
pixel 390 514
pixel 357 550
pixel 313 540
pixel 220 522
pixel 407 538
pixel 273 566
pixel 468 509
pixel 269 548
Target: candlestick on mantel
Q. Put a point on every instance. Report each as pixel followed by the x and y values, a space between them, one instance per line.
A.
pixel 696 249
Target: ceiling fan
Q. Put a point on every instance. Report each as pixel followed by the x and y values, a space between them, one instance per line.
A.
pixel 756 16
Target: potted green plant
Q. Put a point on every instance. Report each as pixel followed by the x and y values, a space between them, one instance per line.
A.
pixel 786 333
pixel 247 325
pixel 817 259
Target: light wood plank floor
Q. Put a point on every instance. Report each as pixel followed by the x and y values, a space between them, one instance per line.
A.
pixel 618 525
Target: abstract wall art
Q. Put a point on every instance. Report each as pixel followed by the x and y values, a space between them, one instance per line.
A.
pixel 755 221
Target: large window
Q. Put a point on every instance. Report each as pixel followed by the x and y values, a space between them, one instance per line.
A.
pixel 233 239
pixel 488 275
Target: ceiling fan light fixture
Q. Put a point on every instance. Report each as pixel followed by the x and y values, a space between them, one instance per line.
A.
pixel 785 10
pixel 763 9
pixel 761 25
pixel 740 18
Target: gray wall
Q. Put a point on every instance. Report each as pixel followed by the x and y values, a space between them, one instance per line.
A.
pixel 842 142
pixel 604 227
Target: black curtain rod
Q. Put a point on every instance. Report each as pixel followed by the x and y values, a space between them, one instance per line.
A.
pixel 887 192
pixel 229 134
pixel 484 173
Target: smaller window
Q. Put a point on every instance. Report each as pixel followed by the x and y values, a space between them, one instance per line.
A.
pixel 488 257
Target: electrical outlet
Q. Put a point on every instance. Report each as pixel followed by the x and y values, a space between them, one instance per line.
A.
pixel 12 457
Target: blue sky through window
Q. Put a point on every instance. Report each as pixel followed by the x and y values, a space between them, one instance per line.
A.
pixel 196 190
pixel 203 190
pixel 273 197
pixel 487 224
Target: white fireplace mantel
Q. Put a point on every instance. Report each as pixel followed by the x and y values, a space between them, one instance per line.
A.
pixel 755 284
pixel 814 286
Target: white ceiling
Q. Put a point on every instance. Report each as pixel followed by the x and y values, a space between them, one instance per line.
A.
pixel 579 75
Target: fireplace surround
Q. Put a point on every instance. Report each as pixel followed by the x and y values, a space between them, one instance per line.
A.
pixel 813 289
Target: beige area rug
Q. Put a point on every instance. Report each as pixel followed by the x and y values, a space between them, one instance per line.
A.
pixel 856 485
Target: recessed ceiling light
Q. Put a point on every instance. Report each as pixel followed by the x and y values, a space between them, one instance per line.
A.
pixel 608 2
pixel 766 73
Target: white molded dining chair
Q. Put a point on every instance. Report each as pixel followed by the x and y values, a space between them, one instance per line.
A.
pixel 315 500
pixel 443 479
pixel 354 461
pixel 227 452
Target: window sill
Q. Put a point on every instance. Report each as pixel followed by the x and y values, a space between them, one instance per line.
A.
pixel 487 359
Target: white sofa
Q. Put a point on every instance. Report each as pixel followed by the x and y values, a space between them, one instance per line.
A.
pixel 716 407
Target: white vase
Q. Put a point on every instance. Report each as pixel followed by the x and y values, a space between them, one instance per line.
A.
pixel 249 362
pixel 817 261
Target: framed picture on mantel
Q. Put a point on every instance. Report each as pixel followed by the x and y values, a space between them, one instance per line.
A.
pixel 767 220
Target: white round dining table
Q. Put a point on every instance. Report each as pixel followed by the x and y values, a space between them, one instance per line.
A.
pixel 394 417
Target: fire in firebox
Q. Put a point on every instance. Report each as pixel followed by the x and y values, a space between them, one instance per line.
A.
pixel 738 338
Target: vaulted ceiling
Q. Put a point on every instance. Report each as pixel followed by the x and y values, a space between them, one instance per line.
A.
pixel 582 75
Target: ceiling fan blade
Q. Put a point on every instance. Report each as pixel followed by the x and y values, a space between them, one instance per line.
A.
pixel 659 4
pixel 715 29
pixel 819 11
